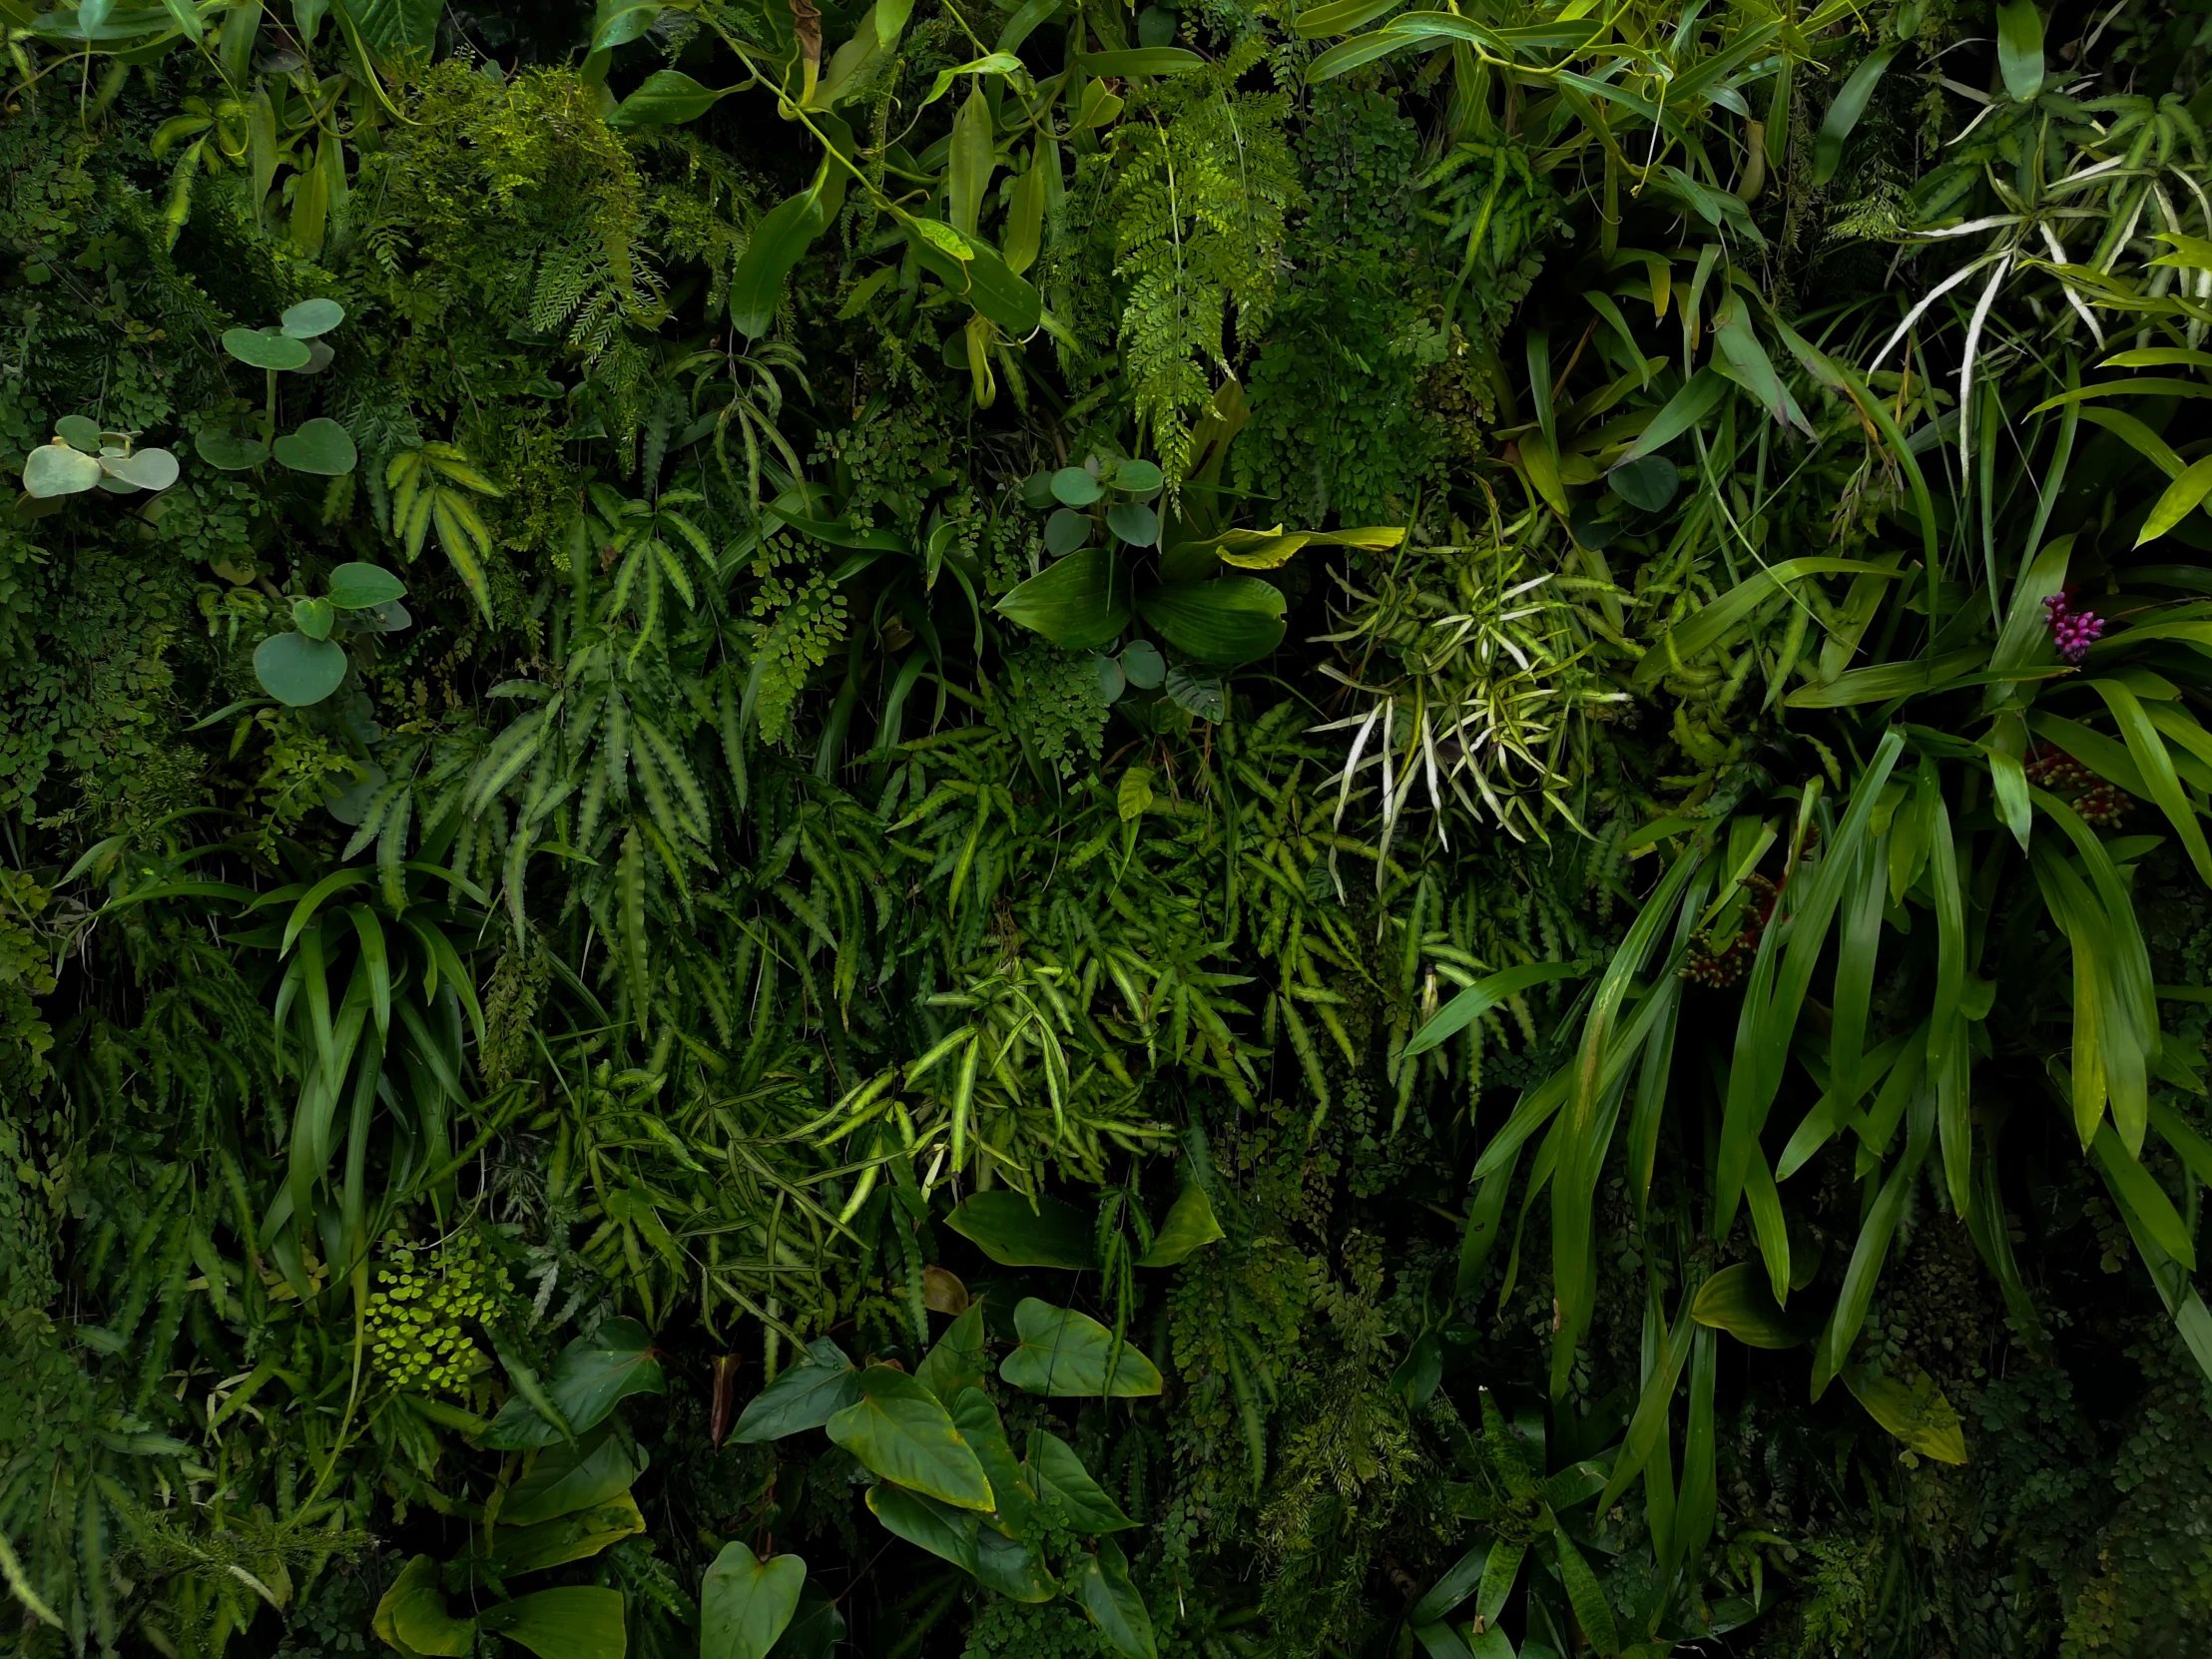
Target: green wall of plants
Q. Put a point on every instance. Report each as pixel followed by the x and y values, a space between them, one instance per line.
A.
pixel 949 828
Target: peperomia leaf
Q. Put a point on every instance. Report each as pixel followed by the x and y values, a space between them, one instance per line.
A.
pixel 56 469
pixel 265 348
pixel 296 670
pixel 311 318
pixel 358 587
pixel 319 446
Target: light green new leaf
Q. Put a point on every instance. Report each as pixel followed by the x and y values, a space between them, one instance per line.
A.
pixel 901 1432
pixel 746 1603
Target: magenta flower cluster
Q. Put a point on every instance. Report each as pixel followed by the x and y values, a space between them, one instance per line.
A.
pixel 2073 632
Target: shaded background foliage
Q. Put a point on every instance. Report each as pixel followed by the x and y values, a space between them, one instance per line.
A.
pixel 737 860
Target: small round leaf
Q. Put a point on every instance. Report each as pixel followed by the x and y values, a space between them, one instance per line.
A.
pixel 56 469
pixel 1138 477
pixel 1074 487
pixel 1134 522
pixel 1036 490
pixel 296 670
pixel 79 433
pixel 260 350
pixel 388 618
pixel 1065 531
pixel 350 804
pixel 321 446
pixel 311 318
pixel 228 453
pixel 1111 681
pixel 146 469
pixel 362 587
pixel 1649 483
pixel 319 357
pixel 312 617
pixel 1141 662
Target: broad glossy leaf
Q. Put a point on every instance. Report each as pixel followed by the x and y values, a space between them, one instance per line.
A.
pixel 668 97
pixel 412 1615
pixel 319 446
pixel 1739 1301
pixel 1079 603
pixel 814 1629
pixel 1061 1478
pixel 391 25
pixel 979 275
pixel 574 1536
pixel 1005 1227
pixel 1115 1606
pixel 146 469
pixel 957 1361
pixel 578 1621
pixel 568 1478
pixel 924 1522
pixel 311 318
pixel 591 1377
pixel 745 1604
pixel 298 671
pixel 54 470
pixel 803 1396
pixel 1917 1413
pixel 359 587
pixel 265 348
pixel 1190 1226
pixel 226 452
pixel 779 241
pixel 902 1432
pixel 1013 1568
pixel 1065 1354
pixel 1226 622
pixel 976 1419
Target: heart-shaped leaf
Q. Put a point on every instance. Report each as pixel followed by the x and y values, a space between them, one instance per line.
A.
pixel 1014 1234
pixel 902 1432
pixel 56 469
pixel 146 469
pixel 1065 1354
pixel 311 318
pixel 356 587
pixel 1190 1226
pixel 312 617
pixel 321 446
pixel 945 1532
pixel 746 1603
pixel 228 453
pixel 265 348
pixel 592 1376
pixel 804 1396
pixel 296 670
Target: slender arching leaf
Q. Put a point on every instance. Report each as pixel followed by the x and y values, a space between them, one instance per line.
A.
pixel 777 243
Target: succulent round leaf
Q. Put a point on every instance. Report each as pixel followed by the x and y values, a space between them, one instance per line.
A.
pixel 319 446
pixel 1138 477
pixel 296 670
pixel 314 617
pixel 1074 487
pixel 261 348
pixel 56 469
pixel 226 452
pixel 146 469
pixel 1112 681
pixel 1142 662
pixel 311 318
pixel 1134 522
pixel 79 433
pixel 358 587
pixel 1065 531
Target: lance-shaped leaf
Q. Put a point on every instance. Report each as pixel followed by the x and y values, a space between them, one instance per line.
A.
pixel 1063 1478
pixel 1115 1606
pixel 779 241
